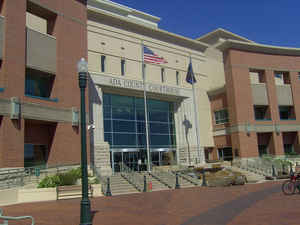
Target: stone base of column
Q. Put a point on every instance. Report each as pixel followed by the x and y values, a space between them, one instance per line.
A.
pixel 102 159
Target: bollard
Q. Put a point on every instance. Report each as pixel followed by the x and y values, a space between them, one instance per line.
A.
pixel 273 171
pixel 283 168
pixel 108 191
pixel 177 186
pixel 204 184
pixel 291 170
pixel 145 184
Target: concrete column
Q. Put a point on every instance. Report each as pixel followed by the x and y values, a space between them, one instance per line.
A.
pixel 100 148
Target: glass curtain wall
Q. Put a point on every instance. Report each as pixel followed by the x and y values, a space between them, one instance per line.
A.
pixel 124 129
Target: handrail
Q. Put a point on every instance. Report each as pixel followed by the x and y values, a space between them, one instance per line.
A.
pixel 267 167
pixel 187 178
pixel 103 180
pixel 16 177
pixel 7 218
pixel 159 173
pixel 132 177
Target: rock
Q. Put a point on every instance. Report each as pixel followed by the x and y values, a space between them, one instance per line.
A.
pixel 240 180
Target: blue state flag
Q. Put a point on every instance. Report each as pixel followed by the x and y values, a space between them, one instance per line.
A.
pixel 190 77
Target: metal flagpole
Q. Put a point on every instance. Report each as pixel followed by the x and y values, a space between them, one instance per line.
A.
pixel 195 112
pixel 146 111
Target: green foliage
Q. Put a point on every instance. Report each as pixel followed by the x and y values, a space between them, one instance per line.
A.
pixel 61 179
pixel 50 181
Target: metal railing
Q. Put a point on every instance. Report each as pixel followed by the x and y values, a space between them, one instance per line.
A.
pixel 133 177
pixel 18 177
pixel 102 179
pixel 263 166
pixel 7 218
pixel 165 177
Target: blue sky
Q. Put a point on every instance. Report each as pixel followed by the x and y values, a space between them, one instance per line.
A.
pixel 273 22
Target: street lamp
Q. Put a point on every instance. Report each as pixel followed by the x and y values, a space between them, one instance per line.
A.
pixel 85 205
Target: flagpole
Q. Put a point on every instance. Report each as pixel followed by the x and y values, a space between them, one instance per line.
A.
pixel 146 111
pixel 196 116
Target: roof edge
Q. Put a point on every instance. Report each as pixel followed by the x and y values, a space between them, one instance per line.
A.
pixel 260 48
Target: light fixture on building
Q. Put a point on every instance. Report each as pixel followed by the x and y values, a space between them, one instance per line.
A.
pixel 15 108
pixel 75 117
pixel 248 129
pixel 277 129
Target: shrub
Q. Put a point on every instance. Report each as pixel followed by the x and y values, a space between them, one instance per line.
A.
pixel 68 178
pixel 50 181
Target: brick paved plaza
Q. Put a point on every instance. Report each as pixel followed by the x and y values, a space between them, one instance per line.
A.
pixel 259 204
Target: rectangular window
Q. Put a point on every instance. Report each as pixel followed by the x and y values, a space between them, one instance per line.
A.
pixel 257 76
pixel 177 78
pixel 103 61
pixel 38 83
pixel 162 75
pixel 286 113
pixel 261 112
pixel 282 78
pixel 35 155
pixel 123 67
pixel 221 116
pixel 298 75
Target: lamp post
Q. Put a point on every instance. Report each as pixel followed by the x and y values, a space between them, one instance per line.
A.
pixel 85 205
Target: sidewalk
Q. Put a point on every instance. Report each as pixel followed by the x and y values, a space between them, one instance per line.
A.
pixel 237 205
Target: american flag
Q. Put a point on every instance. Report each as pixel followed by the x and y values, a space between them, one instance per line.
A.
pixel 151 57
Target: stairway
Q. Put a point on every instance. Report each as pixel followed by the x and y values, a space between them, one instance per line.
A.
pixel 119 185
pixel 251 176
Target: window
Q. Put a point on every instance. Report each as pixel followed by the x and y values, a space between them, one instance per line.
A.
pixel 124 122
pixel 257 76
pixel 261 112
pixel 221 116
pixel 162 75
pixel 38 83
pixel 40 19
pixel 103 61
pixel 298 75
pixel 177 78
pixel 286 113
pixel 288 148
pixel 262 150
pixel 35 155
pixel 122 67
pixel 282 78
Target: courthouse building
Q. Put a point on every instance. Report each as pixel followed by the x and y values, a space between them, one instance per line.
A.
pixel 243 103
pixel 116 35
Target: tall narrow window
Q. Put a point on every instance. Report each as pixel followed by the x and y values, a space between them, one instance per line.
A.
pixel 122 67
pixel 162 75
pixel 177 78
pixel 298 75
pixel 103 61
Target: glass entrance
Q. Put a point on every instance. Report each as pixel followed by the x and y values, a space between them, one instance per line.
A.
pixel 135 159
pixel 125 131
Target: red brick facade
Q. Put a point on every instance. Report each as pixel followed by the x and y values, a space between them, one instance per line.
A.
pixel 239 102
pixel 68 26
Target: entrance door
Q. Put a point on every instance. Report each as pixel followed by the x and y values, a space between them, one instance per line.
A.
pixel 225 153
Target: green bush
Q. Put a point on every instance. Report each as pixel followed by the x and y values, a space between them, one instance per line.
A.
pixel 61 179
pixel 50 181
